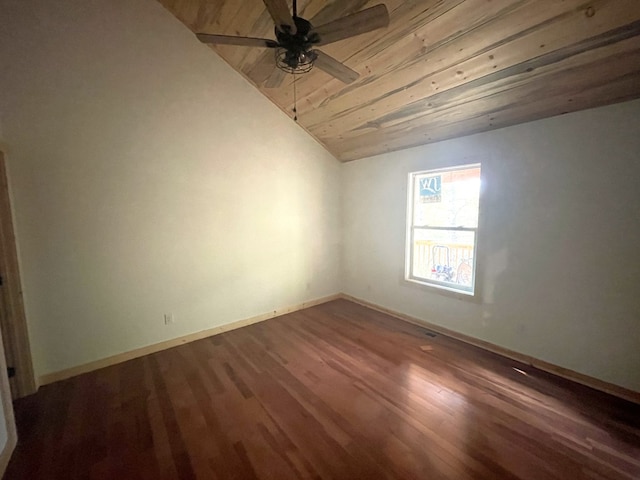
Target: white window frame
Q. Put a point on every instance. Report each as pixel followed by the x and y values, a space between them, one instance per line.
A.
pixel 411 228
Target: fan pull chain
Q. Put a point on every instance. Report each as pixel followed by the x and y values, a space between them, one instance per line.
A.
pixel 295 100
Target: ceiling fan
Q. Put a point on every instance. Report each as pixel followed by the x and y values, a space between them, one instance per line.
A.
pixel 296 39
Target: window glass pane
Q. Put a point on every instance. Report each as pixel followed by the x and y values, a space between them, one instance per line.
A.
pixel 447 199
pixel 444 256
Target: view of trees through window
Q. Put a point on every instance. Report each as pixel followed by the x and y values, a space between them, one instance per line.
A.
pixel 443 227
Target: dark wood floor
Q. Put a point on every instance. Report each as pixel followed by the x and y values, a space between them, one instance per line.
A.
pixel 335 391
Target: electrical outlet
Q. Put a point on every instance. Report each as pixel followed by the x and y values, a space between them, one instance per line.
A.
pixel 168 318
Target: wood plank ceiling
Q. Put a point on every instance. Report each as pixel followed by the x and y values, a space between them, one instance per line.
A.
pixel 443 68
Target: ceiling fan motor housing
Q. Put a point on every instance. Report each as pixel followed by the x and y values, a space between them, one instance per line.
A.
pixel 295 53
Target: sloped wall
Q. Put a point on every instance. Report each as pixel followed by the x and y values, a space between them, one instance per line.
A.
pixel 150 178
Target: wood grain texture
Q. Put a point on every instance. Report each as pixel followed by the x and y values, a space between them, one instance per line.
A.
pixel 442 68
pixel 334 391
pixel 15 335
pixel 591 382
pixel 192 337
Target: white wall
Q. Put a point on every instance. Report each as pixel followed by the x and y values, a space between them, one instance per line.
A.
pixel 559 239
pixel 149 177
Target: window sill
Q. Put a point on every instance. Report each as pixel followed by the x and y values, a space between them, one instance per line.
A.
pixel 442 290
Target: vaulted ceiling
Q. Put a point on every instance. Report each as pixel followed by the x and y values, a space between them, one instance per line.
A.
pixel 442 68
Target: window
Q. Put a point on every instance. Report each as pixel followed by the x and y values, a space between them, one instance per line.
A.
pixel 443 228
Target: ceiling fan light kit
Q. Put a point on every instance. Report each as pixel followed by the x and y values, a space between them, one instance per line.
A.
pixel 293 52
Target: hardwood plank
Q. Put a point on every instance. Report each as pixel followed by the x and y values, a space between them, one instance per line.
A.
pixel 533 42
pixel 431 51
pixel 434 40
pixel 157 347
pixel 333 391
pixel 563 86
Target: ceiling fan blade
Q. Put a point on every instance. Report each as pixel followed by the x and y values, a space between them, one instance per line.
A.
pixel 230 40
pixel 334 10
pixel 334 68
pixel 275 79
pixel 279 11
pixel 262 68
pixel 352 25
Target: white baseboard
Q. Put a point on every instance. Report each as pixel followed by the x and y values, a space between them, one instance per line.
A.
pixel 157 347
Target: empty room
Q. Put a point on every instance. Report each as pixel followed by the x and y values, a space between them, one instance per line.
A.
pixel 320 239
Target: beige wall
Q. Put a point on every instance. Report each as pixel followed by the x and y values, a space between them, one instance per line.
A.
pixel 558 241
pixel 150 178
